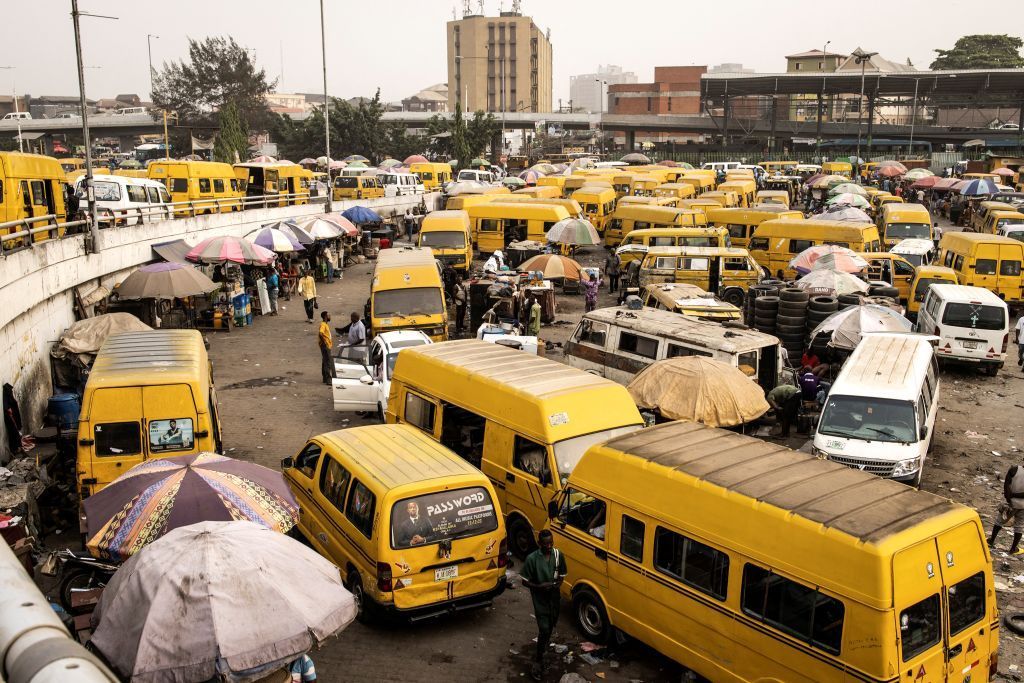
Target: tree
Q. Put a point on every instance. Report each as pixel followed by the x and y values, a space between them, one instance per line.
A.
pixel 461 139
pixel 480 130
pixel 232 143
pixel 218 71
pixel 982 51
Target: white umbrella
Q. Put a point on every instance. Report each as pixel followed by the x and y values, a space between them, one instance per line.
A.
pixel 850 325
pixel 231 599
pixel 838 281
pixel 578 231
pixel 465 187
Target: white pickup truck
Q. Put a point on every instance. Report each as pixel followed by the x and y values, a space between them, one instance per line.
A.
pixel 364 372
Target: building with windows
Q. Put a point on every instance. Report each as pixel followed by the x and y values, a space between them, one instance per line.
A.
pixel 500 63
pixel 586 91
pixel 675 90
pixel 805 107
pixel 433 99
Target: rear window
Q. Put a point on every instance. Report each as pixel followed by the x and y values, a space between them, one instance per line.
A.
pixel 346 181
pixel 974 316
pixel 442 516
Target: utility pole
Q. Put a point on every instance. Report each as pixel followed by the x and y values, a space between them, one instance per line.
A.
pixel 327 108
pixel 862 58
pixel 90 192
pixel 14 96
pixel 149 49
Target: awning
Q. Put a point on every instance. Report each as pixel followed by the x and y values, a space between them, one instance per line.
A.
pixel 173 252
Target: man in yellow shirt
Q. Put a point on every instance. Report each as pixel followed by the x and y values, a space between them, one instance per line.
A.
pixel 307 288
pixel 324 339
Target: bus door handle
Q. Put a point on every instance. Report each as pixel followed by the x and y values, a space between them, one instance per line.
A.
pixel 510 477
pixel 601 555
pixel 954 651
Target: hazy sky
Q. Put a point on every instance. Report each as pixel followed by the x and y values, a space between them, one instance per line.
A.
pixel 400 45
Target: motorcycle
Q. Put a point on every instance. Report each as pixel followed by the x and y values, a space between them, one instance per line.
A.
pixel 77 572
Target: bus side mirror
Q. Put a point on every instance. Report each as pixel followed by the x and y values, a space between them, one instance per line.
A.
pixel 923 432
pixel 552 509
pixel 287 463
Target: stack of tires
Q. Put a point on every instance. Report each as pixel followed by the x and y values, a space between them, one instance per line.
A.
pixel 766 310
pixel 847 300
pixel 884 290
pixel 819 308
pixel 752 294
pixel 791 321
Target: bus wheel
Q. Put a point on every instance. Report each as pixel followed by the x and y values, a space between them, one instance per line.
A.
pixel 591 617
pixel 355 587
pixel 734 296
pixel 520 537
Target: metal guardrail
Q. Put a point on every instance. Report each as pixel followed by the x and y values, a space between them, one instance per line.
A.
pixel 24 231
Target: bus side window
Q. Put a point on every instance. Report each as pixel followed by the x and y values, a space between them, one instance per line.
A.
pixel 532 458
pixel 420 412
pixel 631 538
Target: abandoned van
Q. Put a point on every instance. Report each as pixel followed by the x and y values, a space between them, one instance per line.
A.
pixel 415 530
pixel 727 272
pixel 496 224
pixel 524 420
pixel 746 561
pixel 150 394
pixel 774 243
pixel 690 300
pixel 406 293
pixel 635 244
pixel 989 261
pixel 211 186
pixel 880 413
pixel 447 235
pixel 885 266
pixel 972 325
pixel 618 342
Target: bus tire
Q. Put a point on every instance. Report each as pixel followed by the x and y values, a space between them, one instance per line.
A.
pixel 355 587
pixel 1014 622
pixel 591 616
pixel 734 296
pixel 520 537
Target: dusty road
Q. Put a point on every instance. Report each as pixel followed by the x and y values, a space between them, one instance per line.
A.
pixel 271 400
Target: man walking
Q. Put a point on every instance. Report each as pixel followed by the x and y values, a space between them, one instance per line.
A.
pixel 307 288
pixel 543 573
pixel 1018 336
pixel 461 298
pixel 324 339
pixel 611 269
pixel 1012 511
pixel 273 287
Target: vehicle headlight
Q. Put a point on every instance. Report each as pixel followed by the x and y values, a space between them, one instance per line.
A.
pixel 905 467
pixel 818 453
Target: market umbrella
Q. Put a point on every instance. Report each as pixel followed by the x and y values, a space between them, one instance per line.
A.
pixel 322 161
pixel 888 172
pixel 415 159
pixel 925 182
pixel 848 188
pixel 835 280
pixel 479 162
pixel 918 173
pixel 361 214
pixel 389 163
pixel 356 164
pixel 319 229
pixel 552 266
pixel 263 159
pixel 636 158
pixel 134 163
pixel 230 601
pixel 699 389
pixel 345 225
pixel 577 231
pixel 513 182
pixel 684 164
pixel 842 258
pixel 165 281
pixel 228 248
pixel 848 326
pixel 977 187
pixel 529 176
pixel 667 163
pixel 889 163
pixel 828 181
pixel 1004 172
pixel 355 157
pixel 811 179
pixel 848 199
pixel 464 187
pixel 946 184
pixel 544 169
pixel 162 494
pixel 308 161
pixel 850 214
pixel 337 165
pixel 274 240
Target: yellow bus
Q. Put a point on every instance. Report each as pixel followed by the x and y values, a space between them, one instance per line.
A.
pixel 212 186
pixel 897 222
pixel 635 244
pixel 745 561
pixel 31 185
pixel 744 189
pixel 496 224
pixel 447 234
pixel 741 223
pixel 433 176
pixel 597 203
pixel 571 206
pixel 675 190
pixel 989 261
pixel 626 218
pixel 775 242
pixel 540 191
pixel 406 293
pixel 727 272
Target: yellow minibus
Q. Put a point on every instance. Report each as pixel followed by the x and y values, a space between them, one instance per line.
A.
pixel 357 187
pixel 497 224
pixel 635 244
pixel 741 223
pixel 778 197
pixel 897 222
pixel 675 190
pixel 989 261
pixel 448 236
pixel 571 206
pixel 212 186
pixel 627 218
pixel 843 168
pixel 597 202
pixel 983 210
pixel 541 191
pixel 406 293
pixel 925 277
pixel 775 242
pixel 744 189
pixel 433 176
pixel 727 272
pixel 31 185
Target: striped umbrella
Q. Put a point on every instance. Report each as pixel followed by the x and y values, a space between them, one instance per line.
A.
pixel 577 231
pixel 530 176
pixel 165 281
pixel 274 240
pixel 294 231
pixel 229 248
pixel 162 494
pixel 355 157
pixel 840 258
pixel 320 229
pixel 415 159
pixel 918 173
pixel 553 266
pixel 828 181
pixel 977 187
pixel 925 182
pixel 345 225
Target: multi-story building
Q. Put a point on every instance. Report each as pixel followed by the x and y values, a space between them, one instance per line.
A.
pixel 586 91
pixel 805 107
pixel 675 90
pixel 498 63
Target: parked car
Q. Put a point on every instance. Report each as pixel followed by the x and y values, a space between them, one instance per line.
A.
pixel 363 379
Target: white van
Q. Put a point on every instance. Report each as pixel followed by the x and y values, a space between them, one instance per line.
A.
pixel 121 200
pixel 1015 231
pixel 879 416
pixel 363 372
pixel 401 184
pixel 720 166
pixel 619 342
pixel 478 176
pixel 17 115
pixel 916 251
pixel 129 111
pixel 972 324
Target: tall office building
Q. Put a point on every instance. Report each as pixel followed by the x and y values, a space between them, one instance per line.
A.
pixel 498 63
pixel 587 92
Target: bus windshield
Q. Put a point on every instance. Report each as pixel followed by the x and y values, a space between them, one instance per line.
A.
pixel 902 231
pixel 400 303
pixel 443 239
pixel 869 419
pixel 569 452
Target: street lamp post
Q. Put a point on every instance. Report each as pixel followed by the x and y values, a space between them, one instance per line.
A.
pixel 913 119
pixel 149 49
pixel 861 58
pixel 14 96
pixel 601 108
pixel 327 108
pixel 821 106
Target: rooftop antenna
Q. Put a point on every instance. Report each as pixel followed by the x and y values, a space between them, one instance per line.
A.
pixel 517 7
pixel 454 15
pixel 480 4
pixel 466 11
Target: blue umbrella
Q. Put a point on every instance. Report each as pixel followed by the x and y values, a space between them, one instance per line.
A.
pixel 361 214
pixel 978 187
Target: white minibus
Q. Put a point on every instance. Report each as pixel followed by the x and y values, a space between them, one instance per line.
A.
pixel 879 416
pixel 972 325
pixel 121 200
pixel 401 184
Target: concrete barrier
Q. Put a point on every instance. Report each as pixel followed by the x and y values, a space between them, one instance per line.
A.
pixel 37 285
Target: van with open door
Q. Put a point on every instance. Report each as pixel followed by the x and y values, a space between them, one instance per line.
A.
pixel 363 373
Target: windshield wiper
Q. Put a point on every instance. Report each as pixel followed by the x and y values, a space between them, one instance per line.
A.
pixel 879 430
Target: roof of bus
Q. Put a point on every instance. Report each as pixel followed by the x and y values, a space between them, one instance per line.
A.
pixel 900 213
pixel 653 252
pixel 644 211
pixel 150 357
pixel 833 230
pixel 675 230
pixel 570 205
pixel 671 325
pixel 528 210
pixel 738 183
pixel 445 220
pixel 889 366
pixel 404 257
pixel 394 455
pixel 772 193
pixel 764 212
pixel 542 398
pixel 395 270
pixel 966 294
pixel 600 192
pixel 193 168
pixel 972 238
pixel 20 165
pixel 796 513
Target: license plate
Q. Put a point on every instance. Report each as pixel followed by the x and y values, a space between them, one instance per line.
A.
pixel 446 573
pixel 970 345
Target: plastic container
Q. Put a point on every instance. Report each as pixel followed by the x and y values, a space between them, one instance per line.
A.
pixel 62 411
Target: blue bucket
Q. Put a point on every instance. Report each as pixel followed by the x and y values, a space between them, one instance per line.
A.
pixel 63 410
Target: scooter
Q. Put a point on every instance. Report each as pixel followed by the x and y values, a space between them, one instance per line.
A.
pixel 78 572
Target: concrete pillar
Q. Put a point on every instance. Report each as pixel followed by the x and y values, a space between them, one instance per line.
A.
pixel 496 146
pixel 725 124
pixel 630 141
pixel 871 123
pixel 817 130
pixel 127 142
pixel 774 115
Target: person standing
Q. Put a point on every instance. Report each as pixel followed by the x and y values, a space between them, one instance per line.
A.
pixel 324 339
pixel 533 317
pixel 302 670
pixel 273 287
pixel 355 330
pixel 331 262
pixel 590 288
pixel 612 266
pixel 307 288
pixel 543 573
pixel 785 401
pixel 461 297
pixel 1011 511
pixel 1018 336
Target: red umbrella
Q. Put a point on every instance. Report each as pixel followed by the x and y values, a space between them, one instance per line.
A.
pixel 925 182
pixel 889 172
pixel 1005 172
pixel 945 184
pixel 344 224
pixel 415 159
pixel 228 248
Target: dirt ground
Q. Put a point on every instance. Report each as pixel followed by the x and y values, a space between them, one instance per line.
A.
pixel 272 400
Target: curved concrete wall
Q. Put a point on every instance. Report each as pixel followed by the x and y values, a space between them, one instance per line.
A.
pixel 37 285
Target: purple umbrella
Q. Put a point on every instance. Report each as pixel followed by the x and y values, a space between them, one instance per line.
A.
pixel 274 240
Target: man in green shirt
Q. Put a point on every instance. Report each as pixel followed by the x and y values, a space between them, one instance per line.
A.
pixel 543 573
pixel 785 401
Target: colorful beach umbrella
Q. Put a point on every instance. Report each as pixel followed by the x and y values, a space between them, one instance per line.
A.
pixel 977 187
pixel 274 240
pixel 574 231
pixel 294 231
pixel 227 248
pixel 165 281
pixel 850 214
pixel 320 229
pixel 345 225
pixel 162 494
pixel 840 258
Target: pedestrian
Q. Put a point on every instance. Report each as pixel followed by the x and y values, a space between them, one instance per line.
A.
pixel 273 287
pixel 543 573
pixel 494 263
pixel 307 288
pixel 612 266
pixel 331 261
pixel 533 318
pixel 785 401
pixel 409 220
pixel 355 330
pixel 461 298
pixel 590 288
pixel 1018 336
pixel 324 339
pixel 448 276
pixel 1011 511
pixel 955 211
pixel 302 670
pixel 920 196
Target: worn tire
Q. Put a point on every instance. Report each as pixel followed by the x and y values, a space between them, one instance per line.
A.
pixel 850 299
pixel 790 320
pixel 734 296
pixel 764 321
pixel 354 584
pixel 591 616
pixel 794 295
pixel 791 309
pixel 824 304
pixel 791 331
pixel 890 292
pixel 1014 622
pixel 766 304
pixel 520 538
